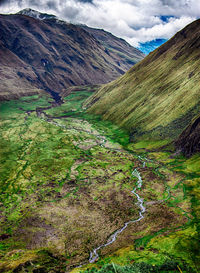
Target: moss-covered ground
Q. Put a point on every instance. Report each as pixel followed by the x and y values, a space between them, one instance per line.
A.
pixel 66 181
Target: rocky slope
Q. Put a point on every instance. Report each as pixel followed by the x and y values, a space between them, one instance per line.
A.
pixel 116 45
pixel 158 97
pixel 48 54
pixel 189 141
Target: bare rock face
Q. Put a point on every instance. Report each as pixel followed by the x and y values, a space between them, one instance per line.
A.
pixel 189 141
pixel 43 53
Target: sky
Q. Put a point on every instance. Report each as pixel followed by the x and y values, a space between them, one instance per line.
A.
pixel 137 21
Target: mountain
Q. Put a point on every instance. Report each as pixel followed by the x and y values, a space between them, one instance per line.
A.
pixel 116 45
pixel 159 96
pixel 39 52
pixel 75 194
pixel 189 141
pixel 112 43
pixel 36 14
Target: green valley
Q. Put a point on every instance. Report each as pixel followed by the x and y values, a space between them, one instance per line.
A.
pixel 67 178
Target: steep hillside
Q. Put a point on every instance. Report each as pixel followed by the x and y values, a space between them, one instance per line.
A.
pixel 159 96
pixel 189 141
pixel 116 45
pixel 126 53
pixel 51 55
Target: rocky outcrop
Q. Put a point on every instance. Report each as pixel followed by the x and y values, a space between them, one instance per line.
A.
pixel 189 141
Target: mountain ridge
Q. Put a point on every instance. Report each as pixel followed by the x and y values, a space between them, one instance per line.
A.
pixel 36 14
pixel 115 44
pixel 51 56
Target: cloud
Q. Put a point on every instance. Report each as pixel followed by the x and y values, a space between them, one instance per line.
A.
pixel 159 31
pixel 134 20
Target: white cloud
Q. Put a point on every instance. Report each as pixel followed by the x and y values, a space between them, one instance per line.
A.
pixel 134 20
pixel 159 30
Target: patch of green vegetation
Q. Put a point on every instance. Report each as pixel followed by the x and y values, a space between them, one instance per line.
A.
pixel 30 98
pixel 167 266
pixel 176 247
pixel 192 165
pixel 14 107
pixel 107 128
pixel 41 260
pixel 72 103
pixel 72 107
pixel 149 144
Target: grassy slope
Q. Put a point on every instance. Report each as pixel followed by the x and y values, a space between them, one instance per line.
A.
pixel 62 193
pixel 160 95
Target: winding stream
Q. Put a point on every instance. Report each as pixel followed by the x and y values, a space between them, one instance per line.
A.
pixel 94 253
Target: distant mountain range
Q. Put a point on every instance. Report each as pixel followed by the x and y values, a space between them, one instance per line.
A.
pixel 40 52
pixel 100 34
pixel 159 97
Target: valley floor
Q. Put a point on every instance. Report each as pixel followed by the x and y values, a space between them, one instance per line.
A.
pixel 66 182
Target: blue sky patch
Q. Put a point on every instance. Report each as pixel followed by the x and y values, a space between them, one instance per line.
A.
pixel 165 18
pixel 147 47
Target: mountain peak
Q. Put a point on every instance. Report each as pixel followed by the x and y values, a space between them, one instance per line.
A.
pixel 36 14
